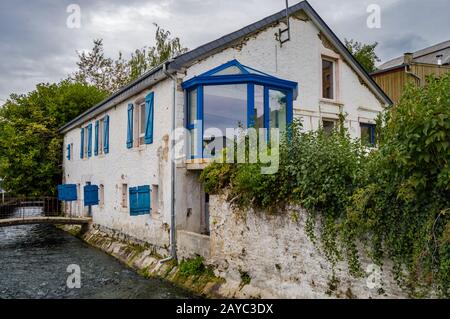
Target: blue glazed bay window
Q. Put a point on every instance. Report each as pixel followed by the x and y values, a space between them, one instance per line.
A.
pixel 235 96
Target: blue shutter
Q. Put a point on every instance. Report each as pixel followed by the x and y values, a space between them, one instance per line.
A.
pixel 82 144
pixel 149 112
pixel 90 195
pixel 144 199
pixel 67 192
pixel 89 140
pixel 106 135
pixel 68 152
pixel 97 123
pixel 61 193
pixel 133 201
pixel 130 126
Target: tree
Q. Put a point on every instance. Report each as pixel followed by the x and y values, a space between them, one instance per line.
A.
pixel 110 75
pixel 104 73
pixel 364 53
pixel 30 145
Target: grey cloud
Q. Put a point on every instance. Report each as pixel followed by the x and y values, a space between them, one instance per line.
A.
pixel 36 46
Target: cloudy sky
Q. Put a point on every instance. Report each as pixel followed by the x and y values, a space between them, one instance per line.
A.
pixel 37 46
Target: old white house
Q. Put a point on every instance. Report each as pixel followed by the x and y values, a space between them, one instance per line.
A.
pixel 263 75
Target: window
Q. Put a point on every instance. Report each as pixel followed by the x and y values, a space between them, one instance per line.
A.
pixel 69 151
pixel 234 96
pixel 258 112
pixel 329 125
pixel 224 107
pixel 86 142
pixel 141 123
pixel 277 105
pixel 139 200
pixel 368 134
pixel 155 199
pixel 102 195
pixel 124 203
pixel 328 79
pixel 193 107
pixel 100 133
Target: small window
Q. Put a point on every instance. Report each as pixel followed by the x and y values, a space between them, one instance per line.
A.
pixel 102 195
pixel 142 123
pixel 328 79
pixel 155 199
pixel 101 126
pixel 124 195
pixel 329 125
pixel 86 141
pixel 368 134
pixel 193 107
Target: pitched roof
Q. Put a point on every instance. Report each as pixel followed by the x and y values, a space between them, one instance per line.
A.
pixel 189 58
pixel 427 55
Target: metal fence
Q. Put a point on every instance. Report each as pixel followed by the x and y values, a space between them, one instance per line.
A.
pixel 30 207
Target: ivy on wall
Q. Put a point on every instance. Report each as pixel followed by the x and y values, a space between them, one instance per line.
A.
pixel 395 199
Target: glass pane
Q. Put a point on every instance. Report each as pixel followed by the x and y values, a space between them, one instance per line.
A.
pixel 368 135
pixel 192 106
pixel 277 104
pixel 365 135
pixel 225 106
pixel 253 71
pixel 193 142
pixel 229 71
pixel 142 119
pixel 328 126
pixel 327 79
pixel 259 107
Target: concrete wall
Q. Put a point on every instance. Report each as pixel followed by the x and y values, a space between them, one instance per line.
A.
pixel 280 259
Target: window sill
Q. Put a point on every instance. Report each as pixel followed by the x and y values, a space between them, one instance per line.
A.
pixel 197 164
pixel 328 101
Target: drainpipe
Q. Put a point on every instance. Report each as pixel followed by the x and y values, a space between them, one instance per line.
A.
pixel 173 243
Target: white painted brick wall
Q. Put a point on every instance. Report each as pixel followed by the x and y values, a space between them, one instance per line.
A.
pixel 298 60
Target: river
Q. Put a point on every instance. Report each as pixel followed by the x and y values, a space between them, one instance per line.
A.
pixel 34 261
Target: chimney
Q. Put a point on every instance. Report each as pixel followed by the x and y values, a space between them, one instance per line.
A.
pixel 439 59
pixel 408 58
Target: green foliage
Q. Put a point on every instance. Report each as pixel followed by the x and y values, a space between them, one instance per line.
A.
pixel 194 267
pixel 364 53
pixel 403 209
pixel 30 146
pixel 111 74
pixel 245 278
pixel 395 199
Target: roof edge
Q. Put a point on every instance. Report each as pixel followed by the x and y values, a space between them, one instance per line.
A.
pixel 124 91
pixel 346 53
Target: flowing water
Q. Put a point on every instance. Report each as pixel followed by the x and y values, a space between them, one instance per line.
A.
pixel 34 261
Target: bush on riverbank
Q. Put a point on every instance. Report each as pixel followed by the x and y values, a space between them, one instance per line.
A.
pixel 396 199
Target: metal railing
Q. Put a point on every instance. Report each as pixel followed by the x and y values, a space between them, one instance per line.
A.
pixel 29 207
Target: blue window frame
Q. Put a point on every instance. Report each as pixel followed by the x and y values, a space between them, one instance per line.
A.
pixel 233 73
pixel 368 134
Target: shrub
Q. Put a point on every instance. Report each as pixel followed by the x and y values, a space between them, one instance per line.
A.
pixel 396 199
